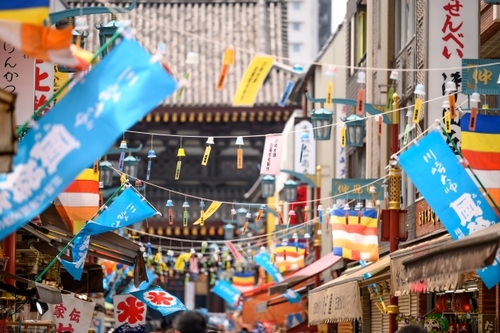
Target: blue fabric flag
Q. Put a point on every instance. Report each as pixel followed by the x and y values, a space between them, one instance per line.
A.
pixel 158 299
pixel 227 292
pixel 450 192
pixel 130 288
pixel 122 88
pixel 128 208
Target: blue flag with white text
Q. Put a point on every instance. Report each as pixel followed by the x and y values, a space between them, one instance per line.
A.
pixel 128 208
pixel 122 88
pixel 450 192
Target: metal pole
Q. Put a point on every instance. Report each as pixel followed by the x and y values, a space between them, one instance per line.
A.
pixel 394 204
pixel 9 244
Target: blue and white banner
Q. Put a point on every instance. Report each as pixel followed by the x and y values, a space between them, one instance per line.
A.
pixel 128 208
pixel 450 192
pixel 112 97
pixel 227 292
pixel 130 288
pixel 158 299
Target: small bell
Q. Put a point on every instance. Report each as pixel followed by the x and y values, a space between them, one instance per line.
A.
pixel 170 204
pixel 233 213
pixel 358 207
pixel 192 58
pixel 304 137
pixel 245 226
pixel 331 70
pixel 138 183
pixel 394 75
pixel 81 24
pixel 123 144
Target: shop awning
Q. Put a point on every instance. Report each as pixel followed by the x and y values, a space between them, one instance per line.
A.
pixel 464 255
pixel 339 300
pixel 305 273
pixel 400 282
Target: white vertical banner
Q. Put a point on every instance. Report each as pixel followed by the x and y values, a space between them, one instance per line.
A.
pixel 44 84
pixel 72 315
pixel 17 75
pixel 453 36
pixel 190 295
pixel 271 156
pixel 304 148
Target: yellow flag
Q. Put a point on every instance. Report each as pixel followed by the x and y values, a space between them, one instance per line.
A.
pixel 209 212
pixel 252 80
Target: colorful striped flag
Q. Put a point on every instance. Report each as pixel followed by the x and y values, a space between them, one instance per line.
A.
pixel 289 257
pixel 244 281
pixel 43 43
pixel 80 201
pixel 355 237
pixel 481 148
pixel 26 11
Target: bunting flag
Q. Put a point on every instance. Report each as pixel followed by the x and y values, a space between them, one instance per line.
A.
pixel 289 257
pixel 481 148
pixel 227 292
pixel 50 156
pixel 26 11
pixel 72 315
pixel 44 43
pixel 158 299
pixel 128 208
pixel 244 281
pixel 355 238
pixel 80 201
pixel 130 314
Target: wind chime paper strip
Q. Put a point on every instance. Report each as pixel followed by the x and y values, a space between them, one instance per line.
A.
pixel 481 148
pixel 130 314
pixel 209 212
pixel 234 251
pixel 79 129
pixel 158 299
pixel 128 208
pixel 72 315
pixel 355 238
pixel 450 192
pixel 27 11
pixel 271 158
pixel 252 80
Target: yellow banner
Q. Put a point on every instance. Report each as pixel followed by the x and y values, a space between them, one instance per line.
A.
pixel 209 212
pixel 180 264
pixel 252 80
pixel 60 79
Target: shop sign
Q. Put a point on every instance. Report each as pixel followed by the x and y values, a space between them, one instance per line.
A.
pixel 487 323
pixel 426 219
pixel 358 189
pixel 482 79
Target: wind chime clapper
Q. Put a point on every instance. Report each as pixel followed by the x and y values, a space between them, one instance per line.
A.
pixel 180 153
pixel 304 137
pixel 239 157
pixel 420 92
pixel 123 146
pixel 170 205
pixel 192 58
pixel 185 214
pixel 227 61
pixel 475 100
pixel 360 105
pixel 208 149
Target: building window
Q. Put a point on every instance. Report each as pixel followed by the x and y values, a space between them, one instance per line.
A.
pixel 296 5
pixel 296 47
pixel 296 26
pixel 405 23
pixel 361 36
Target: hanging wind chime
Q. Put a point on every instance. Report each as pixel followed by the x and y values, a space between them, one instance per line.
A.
pixel 202 212
pixel 151 155
pixel 360 105
pixel 208 149
pixel 170 205
pixel 180 153
pixel 123 146
pixel 239 158
pixel 185 215
pixel 227 61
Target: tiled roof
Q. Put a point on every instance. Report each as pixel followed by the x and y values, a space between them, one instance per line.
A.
pixel 208 28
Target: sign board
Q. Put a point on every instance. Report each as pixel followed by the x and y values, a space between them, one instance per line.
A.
pixel 483 79
pixel 306 148
pixel 359 188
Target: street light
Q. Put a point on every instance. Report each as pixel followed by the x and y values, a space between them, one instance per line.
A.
pixel 290 190
pixel 106 171
pixel 268 186
pixel 131 166
pixel 241 213
pixel 107 31
pixel 322 120
pixel 355 130
pixel 229 231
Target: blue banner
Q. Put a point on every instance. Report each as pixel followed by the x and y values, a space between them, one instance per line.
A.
pixel 112 97
pixel 128 208
pixel 227 292
pixel 263 260
pixel 450 192
pixel 130 288
pixel 158 299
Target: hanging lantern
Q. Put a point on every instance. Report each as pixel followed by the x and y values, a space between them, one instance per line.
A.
pixel 241 212
pixel 239 159
pixel 304 137
pixel 208 149
pixel 290 190
pixel 131 166
pixel 185 216
pixel 322 120
pixel 106 173
pixel 170 205
pixel 355 130
pixel 268 185
pixel 202 211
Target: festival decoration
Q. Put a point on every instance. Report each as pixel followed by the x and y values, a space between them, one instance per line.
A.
pixel 227 292
pixel 343 138
pixel 260 212
pixel 360 105
pixel 130 314
pixel 420 92
pixel 170 205
pixel 185 215
pixel 252 80
pixel 239 158
pixel 202 212
pixel 289 256
pixel 286 93
pixel 320 214
pixel 227 61
pixel 72 315
pixel 436 323
pixel 151 155
pixel 352 238
pixel 304 137
pixel 208 149
pixel 180 153
pixel 123 146
pixel 475 100
pixel 271 156
pixel 243 281
pixel 245 225
pixel 291 213
pixel 25 11
pixel 214 206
